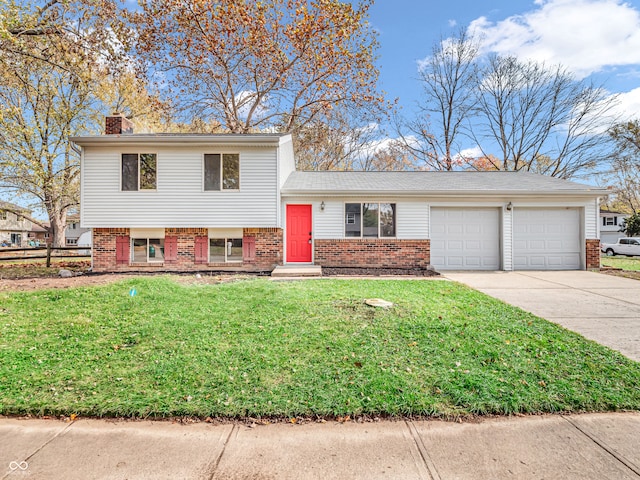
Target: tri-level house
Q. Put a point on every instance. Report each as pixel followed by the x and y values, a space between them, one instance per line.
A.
pixel 185 202
pixel 14 224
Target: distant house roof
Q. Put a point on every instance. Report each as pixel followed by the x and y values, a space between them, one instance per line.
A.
pixel 248 139
pixel 428 183
pixel 610 212
pixel 12 206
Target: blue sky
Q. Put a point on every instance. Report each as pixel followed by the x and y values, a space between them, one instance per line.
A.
pixel 595 39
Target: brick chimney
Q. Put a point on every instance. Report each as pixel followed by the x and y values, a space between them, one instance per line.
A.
pixel 118 124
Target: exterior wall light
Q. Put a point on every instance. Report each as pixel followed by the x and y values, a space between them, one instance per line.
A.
pixel 322 206
pixel 509 206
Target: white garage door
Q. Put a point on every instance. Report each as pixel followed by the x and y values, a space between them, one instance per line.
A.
pixel 546 239
pixel 465 238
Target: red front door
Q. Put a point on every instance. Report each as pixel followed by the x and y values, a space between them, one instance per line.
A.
pixel 299 233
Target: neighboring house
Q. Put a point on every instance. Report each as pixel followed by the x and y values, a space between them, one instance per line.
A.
pixel 610 225
pixel 73 231
pixel 235 202
pixel 39 234
pixel 14 227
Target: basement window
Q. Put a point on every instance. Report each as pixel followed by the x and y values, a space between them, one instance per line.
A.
pixel 225 250
pixel 147 250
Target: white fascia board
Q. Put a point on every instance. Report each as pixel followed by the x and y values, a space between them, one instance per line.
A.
pixel 429 194
pixel 182 140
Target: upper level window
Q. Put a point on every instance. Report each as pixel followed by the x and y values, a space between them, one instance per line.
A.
pixel 606 221
pixel 139 171
pixel 370 220
pixel 3 214
pixel 221 171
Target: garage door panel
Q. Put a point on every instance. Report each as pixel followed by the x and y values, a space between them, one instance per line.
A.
pixel 546 239
pixel 471 241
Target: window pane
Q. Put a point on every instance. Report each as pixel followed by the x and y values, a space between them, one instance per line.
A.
pixel 231 171
pixel 129 171
pixel 370 219
pixel 387 219
pixel 216 250
pixel 212 172
pixel 147 171
pixel 352 220
pixel 156 249
pixel 140 250
pixel 234 250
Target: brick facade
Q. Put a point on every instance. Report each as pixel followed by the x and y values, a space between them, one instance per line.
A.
pixel 593 253
pixel 373 253
pixel 268 251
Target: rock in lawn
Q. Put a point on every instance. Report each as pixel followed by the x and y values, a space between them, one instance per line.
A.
pixel 65 273
pixel 378 302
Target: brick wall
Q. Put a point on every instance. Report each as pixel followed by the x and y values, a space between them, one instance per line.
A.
pixel 269 247
pixel 372 253
pixel 593 253
pixel 104 248
pixel 268 251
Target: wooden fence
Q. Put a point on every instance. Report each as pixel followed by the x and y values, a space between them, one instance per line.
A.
pixel 31 253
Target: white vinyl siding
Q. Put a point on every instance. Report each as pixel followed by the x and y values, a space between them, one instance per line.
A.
pixel 179 200
pixel 412 220
pixel 547 239
pixel 507 239
pixel 465 238
pixel 591 217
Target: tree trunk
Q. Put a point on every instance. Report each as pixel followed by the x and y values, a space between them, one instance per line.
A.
pixel 58 222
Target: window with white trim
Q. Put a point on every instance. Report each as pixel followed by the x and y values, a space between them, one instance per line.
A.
pixel 370 220
pixel 225 250
pixel 609 221
pixel 139 171
pixel 72 241
pixel 147 250
pixel 221 171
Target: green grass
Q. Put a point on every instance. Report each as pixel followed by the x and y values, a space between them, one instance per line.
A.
pixel 261 348
pixel 626 263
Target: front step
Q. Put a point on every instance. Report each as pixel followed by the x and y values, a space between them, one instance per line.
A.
pixel 283 271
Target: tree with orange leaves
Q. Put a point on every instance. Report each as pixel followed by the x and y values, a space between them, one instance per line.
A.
pixel 269 65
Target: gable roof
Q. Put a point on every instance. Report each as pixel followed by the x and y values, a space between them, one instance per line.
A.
pixel 432 183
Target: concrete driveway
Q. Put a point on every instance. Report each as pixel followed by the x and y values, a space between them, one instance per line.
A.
pixel 600 307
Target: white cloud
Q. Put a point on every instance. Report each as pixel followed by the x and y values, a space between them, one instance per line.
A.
pixel 474 152
pixel 585 36
pixel 628 106
pixel 452 23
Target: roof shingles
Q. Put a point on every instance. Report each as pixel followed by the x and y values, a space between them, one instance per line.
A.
pixel 415 183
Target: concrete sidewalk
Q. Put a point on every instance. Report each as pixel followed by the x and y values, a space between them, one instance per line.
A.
pixel 593 446
pixel 601 307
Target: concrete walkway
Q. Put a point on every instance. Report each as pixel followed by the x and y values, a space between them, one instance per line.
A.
pixel 594 446
pixel 600 307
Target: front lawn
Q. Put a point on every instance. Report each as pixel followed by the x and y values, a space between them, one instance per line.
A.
pixel 625 263
pixel 152 347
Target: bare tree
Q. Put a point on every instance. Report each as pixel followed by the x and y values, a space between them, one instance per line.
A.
pixel 448 79
pixel 342 138
pixel 624 175
pixel 540 118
